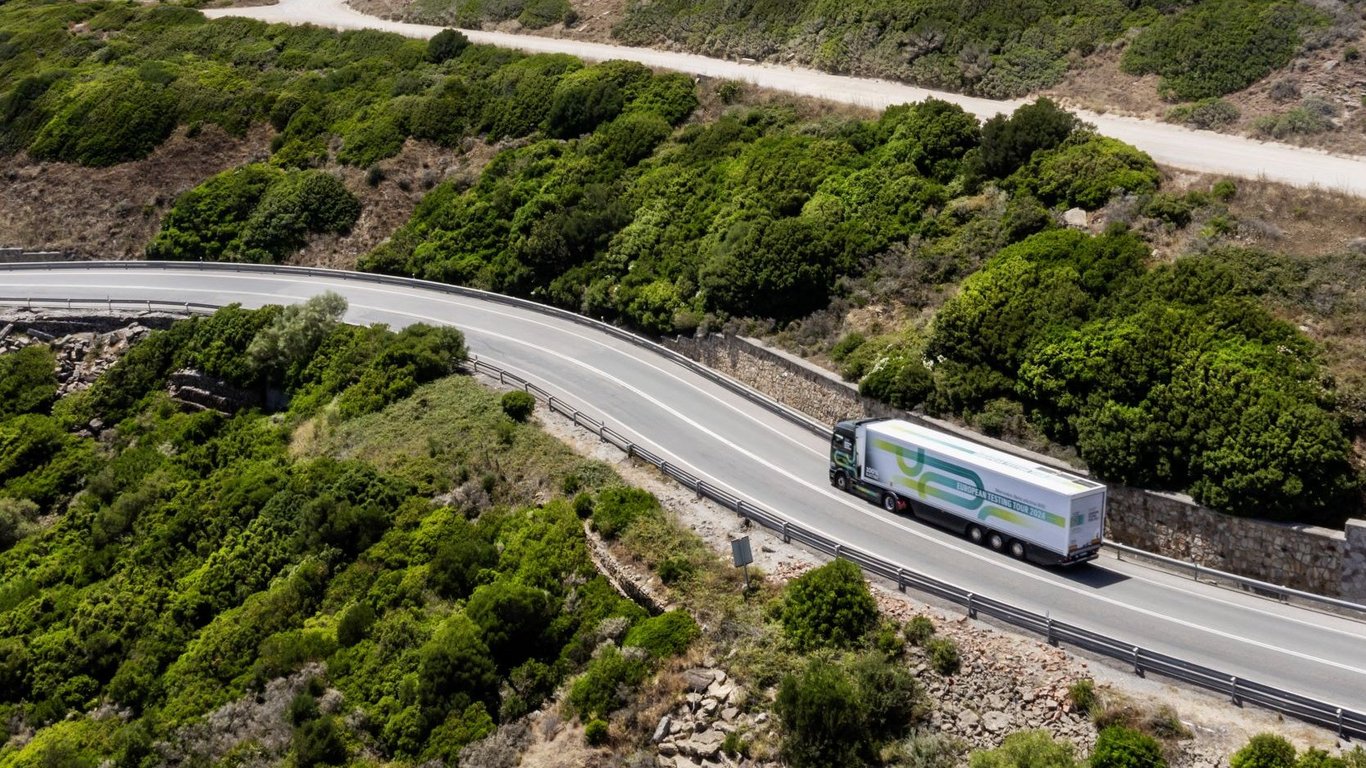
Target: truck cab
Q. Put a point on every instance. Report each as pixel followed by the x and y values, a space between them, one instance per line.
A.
pixel 846 466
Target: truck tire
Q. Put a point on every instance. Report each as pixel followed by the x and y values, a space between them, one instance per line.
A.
pixel 842 482
pixel 1017 549
pixel 996 541
pixel 889 502
pixel 975 534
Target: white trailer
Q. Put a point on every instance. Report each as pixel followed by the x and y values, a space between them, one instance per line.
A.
pixel 1027 509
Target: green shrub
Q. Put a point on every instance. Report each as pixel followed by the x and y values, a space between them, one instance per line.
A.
pixel 1119 747
pixel 595 732
pixel 319 742
pixel 1027 749
pixel 1318 758
pixel 618 506
pixel 829 606
pixel 355 622
pixel 106 121
pixel 302 709
pixel 1224 190
pixel 892 699
pixel 1207 114
pixel 898 379
pixel 446 45
pixel 665 635
pixel 1214 48
pixel 597 692
pixel 455 668
pixel 919 629
pixel 28 381
pixel 1083 695
pixel 455 568
pixel 735 745
pixel 518 405
pixel 1299 121
pixel 673 570
pixel 513 619
pixel 944 657
pixel 1009 142
pixel 17 522
pixel 823 718
pixel 1265 750
pixel 371 141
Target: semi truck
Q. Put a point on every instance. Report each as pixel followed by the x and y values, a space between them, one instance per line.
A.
pixel 1029 510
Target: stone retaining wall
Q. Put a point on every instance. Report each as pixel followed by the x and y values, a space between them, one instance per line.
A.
pixel 1312 559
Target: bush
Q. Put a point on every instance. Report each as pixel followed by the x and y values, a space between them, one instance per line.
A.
pixel 17 521
pixel 1119 747
pixel 1083 695
pixel 1318 758
pixel 1300 121
pixel 1027 749
pixel 919 629
pixel 319 742
pixel 665 635
pixel 28 381
pixel 1265 750
pixel 618 506
pixel 887 638
pixel 672 570
pixel 302 709
pixel 455 568
pixel 518 405
pixel 598 691
pixel 595 732
pixel 513 619
pixel 354 624
pixel 446 45
pixel 455 668
pixel 944 657
pixel 1217 47
pixel 1009 142
pixel 1207 114
pixel 823 717
pixel 891 698
pixel 899 380
pixel 829 606
pixel 107 121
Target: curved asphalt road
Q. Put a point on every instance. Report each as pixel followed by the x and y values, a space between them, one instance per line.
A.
pixel 735 444
pixel 1172 145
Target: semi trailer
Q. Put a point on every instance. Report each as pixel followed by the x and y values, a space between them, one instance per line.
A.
pixel 1011 504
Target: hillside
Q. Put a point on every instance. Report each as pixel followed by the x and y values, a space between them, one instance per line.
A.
pixel 1284 70
pixel 1164 340
pixel 392 565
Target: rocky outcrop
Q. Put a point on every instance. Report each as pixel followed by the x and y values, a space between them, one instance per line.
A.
pixel 85 345
pixel 198 391
pixel 693 734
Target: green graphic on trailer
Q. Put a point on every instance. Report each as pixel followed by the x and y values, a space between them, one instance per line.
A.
pixel 950 480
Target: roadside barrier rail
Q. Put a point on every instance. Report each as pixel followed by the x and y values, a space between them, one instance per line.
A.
pixel 1346 723
pixel 1221 578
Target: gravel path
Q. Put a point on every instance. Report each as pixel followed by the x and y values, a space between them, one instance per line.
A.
pixel 1169 145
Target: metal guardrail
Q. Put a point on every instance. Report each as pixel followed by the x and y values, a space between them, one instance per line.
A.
pixel 1220 578
pixel 1346 723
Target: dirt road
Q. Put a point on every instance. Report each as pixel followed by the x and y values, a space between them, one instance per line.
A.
pixel 1169 145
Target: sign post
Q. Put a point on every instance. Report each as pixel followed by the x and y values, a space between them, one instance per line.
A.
pixel 741 556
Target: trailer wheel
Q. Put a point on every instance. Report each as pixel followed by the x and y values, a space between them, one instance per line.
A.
pixel 842 481
pixel 889 502
pixel 1017 549
pixel 976 534
pixel 996 541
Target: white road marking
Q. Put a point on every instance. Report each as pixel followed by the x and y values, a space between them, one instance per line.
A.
pixel 842 499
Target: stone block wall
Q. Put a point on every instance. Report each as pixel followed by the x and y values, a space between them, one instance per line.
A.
pixel 1312 559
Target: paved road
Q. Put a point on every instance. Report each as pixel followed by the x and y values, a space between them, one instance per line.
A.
pixel 732 443
pixel 1170 145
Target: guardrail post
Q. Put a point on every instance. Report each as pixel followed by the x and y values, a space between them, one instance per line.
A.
pixel 972 610
pixel 1138 665
pixel 787 538
pixel 839 550
pixel 550 402
pixel 901 579
pixel 698 488
pixel 1051 640
pixel 1233 691
pixel 1339 714
pixel 631 451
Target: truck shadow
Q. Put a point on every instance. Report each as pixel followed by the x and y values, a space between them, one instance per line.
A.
pixel 1091 575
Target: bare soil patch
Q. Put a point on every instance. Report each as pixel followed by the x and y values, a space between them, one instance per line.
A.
pixel 112 213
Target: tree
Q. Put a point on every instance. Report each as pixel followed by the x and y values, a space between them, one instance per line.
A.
pixel 319 742
pixel 455 668
pixel 1120 747
pixel 1265 750
pixel 454 570
pixel 829 606
pixel 513 619
pixel 16 521
pixel 1009 142
pixel 1027 749
pixel 446 45
pixel 297 332
pixel 823 716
